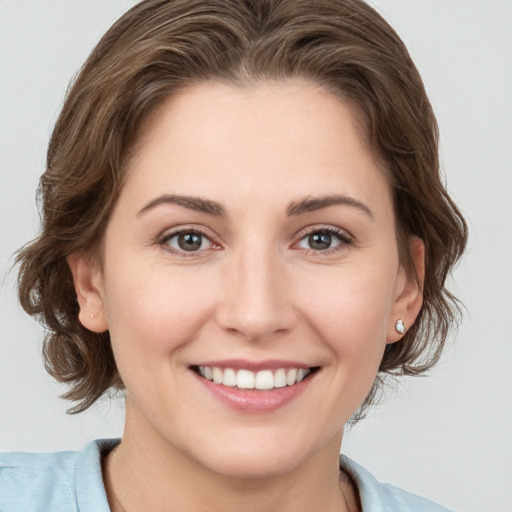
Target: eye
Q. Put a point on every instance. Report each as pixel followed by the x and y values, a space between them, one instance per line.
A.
pixel 324 240
pixel 188 241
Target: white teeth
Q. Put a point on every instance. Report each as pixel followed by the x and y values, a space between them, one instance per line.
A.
pixel 301 373
pixel 264 380
pixel 246 379
pixel 218 375
pixel 229 377
pixel 291 377
pixel 208 373
pixel 280 378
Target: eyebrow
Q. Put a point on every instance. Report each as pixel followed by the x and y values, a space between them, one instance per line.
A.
pixel 311 204
pixel 192 203
pixel 308 204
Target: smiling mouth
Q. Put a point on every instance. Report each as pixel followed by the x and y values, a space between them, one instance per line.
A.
pixel 263 380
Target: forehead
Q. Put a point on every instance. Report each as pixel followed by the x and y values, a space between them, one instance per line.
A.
pixel 274 138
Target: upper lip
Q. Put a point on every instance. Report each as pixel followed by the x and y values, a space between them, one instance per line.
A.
pixel 243 364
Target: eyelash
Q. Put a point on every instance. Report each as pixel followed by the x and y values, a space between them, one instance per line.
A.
pixel 343 237
pixel 344 240
pixel 164 241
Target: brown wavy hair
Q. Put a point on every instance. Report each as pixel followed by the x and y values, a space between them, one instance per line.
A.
pixel 162 46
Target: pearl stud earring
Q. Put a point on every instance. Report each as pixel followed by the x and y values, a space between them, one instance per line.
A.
pixel 400 326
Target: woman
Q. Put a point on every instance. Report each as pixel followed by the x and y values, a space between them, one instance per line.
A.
pixel 245 228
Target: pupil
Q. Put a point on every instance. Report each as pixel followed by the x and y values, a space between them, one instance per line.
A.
pixel 320 241
pixel 189 241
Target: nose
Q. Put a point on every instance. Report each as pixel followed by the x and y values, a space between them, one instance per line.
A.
pixel 257 302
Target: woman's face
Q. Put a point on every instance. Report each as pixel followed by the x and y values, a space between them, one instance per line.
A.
pixel 253 244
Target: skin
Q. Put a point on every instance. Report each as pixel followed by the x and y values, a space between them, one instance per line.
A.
pixel 255 290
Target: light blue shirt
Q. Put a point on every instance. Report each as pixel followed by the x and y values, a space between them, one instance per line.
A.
pixel 72 482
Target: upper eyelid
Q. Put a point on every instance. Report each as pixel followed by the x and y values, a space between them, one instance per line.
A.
pixel 322 227
pixel 345 238
pixel 169 234
pixel 177 230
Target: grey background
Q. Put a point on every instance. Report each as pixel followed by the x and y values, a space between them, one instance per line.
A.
pixel 447 436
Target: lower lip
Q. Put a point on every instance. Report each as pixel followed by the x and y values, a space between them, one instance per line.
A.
pixel 252 400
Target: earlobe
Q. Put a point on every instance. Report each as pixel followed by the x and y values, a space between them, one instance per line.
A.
pixel 409 292
pixel 87 277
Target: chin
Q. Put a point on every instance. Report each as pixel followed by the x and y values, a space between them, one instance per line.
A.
pixel 246 466
pixel 256 460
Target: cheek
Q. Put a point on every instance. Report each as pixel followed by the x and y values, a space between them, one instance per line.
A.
pixel 155 311
pixel 350 308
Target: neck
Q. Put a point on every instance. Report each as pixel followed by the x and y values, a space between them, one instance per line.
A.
pixel 145 473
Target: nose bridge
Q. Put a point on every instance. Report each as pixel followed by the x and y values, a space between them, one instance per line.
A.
pixel 256 302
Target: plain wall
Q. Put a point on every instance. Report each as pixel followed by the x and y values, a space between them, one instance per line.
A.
pixel 447 436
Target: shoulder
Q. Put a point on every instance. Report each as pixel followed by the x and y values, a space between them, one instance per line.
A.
pixel 378 497
pixel 32 482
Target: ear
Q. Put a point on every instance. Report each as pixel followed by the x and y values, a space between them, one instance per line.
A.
pixel 88 279
pixel 408 291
